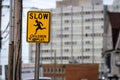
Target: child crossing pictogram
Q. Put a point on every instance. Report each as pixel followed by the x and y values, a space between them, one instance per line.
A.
pixel 38 24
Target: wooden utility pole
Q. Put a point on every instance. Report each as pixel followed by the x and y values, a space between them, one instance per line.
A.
pixel 18 38
pixel 10 61
pixel 11 43
pixel 15 49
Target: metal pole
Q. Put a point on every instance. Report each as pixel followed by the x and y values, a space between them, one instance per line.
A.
pixel 37 59
pixel 72 34
pixel 106 25
pixel 0 25
pixel 0 32
pixel 54 65
pixel 61 37
pixel 93 37
pixel 82 37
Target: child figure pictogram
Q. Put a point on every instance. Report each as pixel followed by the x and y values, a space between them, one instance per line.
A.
pixel 38 24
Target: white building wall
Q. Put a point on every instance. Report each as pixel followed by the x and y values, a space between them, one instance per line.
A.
pixel 76 33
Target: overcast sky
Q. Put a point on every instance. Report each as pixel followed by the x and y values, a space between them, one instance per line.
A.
pixel 108 1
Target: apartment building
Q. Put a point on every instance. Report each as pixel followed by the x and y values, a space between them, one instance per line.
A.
pixel 65 3
pixel 76 35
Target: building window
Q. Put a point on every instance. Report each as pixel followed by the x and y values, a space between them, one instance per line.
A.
pixel 88 42
pixel 66 50
pixel 46 51
pixel 63 70
pixel 87 27
pixel 66 28
pixel 52 70
pixel 67 43
pixel 67 21
pixel 67 14
pixel 87 49
pixel 59 70
pixel 63 35
pixel 48 69
pixel 94 19
pixel 102 27
pixel 70 43
pixel 98 34
pixel 83 57
pixel 45 70
pixel 87 12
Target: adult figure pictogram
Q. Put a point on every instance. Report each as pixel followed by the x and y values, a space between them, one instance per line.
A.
pixel 38 24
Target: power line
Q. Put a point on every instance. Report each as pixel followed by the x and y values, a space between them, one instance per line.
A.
pixel 5 36
pixel 6 28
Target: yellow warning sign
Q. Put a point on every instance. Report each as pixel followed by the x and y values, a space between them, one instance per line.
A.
pixel 38 26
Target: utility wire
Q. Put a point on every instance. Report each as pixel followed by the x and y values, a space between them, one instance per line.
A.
pixel 5 41
pixel 6 28
pixel 5 36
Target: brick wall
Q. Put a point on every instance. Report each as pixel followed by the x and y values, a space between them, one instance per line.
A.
pixel 71 71
pixel 82 72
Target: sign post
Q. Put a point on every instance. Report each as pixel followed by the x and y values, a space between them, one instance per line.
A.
pixel 37 59
pixel 38 31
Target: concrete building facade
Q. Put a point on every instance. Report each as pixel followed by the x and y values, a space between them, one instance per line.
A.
pixel 65 3
pixel 76 36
